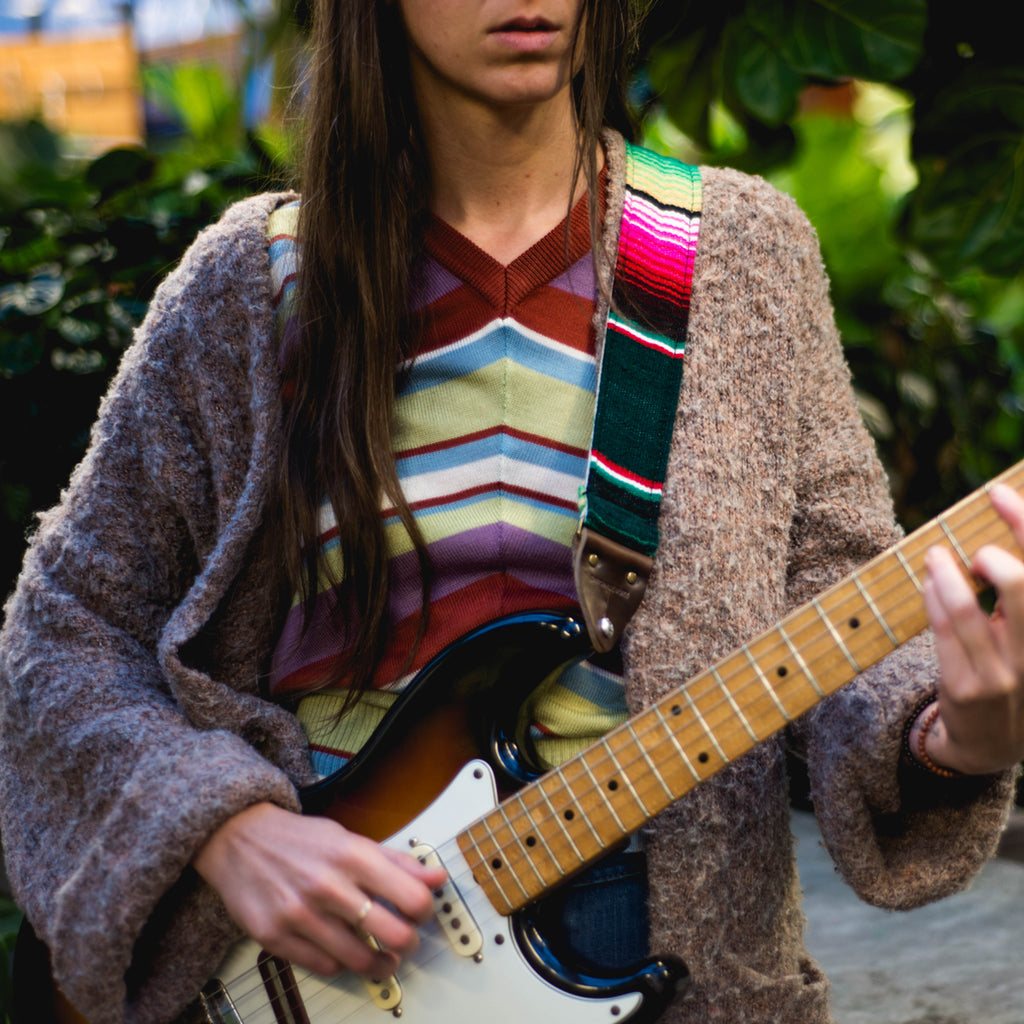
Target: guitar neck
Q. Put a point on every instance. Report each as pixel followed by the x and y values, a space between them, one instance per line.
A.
pixel 571 816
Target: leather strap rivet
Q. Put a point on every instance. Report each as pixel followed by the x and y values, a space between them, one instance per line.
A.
pixel 606 626
pixel 631 577
pixel 593 559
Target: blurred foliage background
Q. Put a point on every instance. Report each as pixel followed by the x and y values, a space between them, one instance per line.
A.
pixel 898 125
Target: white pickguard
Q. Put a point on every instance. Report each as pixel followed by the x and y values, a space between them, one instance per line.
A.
pixel 438 986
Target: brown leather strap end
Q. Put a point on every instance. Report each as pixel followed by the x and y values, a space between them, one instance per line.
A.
pixel 610 583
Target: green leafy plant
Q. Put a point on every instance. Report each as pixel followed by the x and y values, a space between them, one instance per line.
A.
pixel 82 247
pixel 755 58
pixel 926 276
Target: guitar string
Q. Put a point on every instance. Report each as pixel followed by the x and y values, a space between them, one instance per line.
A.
pixel 712 686
pixel 449 853
pixel 702 686
pixel 889 570
pixel 706 684
pixel 987 517
pixel 709 676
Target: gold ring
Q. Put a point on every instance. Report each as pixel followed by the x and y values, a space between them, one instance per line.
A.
pixel 363 911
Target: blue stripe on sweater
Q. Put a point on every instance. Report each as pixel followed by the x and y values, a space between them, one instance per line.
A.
pixel 500 340
pixel 460 453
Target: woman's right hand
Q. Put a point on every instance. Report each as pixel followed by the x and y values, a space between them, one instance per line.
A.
pixel 310 891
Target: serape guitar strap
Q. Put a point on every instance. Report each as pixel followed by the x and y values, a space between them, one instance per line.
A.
pixel 638 391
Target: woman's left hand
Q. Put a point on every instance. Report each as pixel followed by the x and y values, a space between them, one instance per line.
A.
pixel 980 728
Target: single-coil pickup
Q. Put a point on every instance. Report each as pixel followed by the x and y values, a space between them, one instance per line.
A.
pixel 452 914
pixel 386 993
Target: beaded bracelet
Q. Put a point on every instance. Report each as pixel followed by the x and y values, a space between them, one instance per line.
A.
pixel 918 755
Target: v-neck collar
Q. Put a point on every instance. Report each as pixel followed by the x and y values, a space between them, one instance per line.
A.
pixel 504 287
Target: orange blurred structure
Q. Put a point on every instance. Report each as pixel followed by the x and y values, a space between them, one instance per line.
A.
pixel 87 87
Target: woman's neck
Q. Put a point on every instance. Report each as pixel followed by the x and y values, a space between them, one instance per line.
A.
pixel 503 179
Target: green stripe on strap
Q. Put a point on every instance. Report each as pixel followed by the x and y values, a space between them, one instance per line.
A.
pixel 642 360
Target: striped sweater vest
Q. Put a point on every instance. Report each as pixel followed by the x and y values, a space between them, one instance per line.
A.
pixel 494 421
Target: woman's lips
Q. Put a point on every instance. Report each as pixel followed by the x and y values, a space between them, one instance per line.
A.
pixel 527 35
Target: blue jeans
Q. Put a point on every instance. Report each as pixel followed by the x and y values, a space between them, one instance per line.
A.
pixel 602 913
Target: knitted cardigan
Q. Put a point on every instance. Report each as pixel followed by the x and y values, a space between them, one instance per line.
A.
pixel 131 719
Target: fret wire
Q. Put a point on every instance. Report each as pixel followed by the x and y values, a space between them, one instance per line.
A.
pixel 954 543
pixel 500 810
pixel 522 845
pixel 561 824
pixel 800 661
pixel 736 708
pixel 485 861
pixel 685 694
pixel 619 823
pixel 675 741
pixel 907 569
pixel 894 588
pixel 835 635
pixel 780 631
pixel 764 682
pixel 650 764
pixel 874 610
pixel 540 835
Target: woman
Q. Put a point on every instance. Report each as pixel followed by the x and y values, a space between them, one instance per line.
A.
pixel 150 787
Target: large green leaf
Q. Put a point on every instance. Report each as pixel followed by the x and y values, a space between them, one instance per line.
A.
pixel 200 98
pixel 969 208
pixel 873 39
pixel 981 100
pixel 682 74
pixel 119 169
pixel 763 81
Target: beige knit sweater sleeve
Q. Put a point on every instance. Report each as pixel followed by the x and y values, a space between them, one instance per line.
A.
pixel 108 785
pixel 900 836
pixel 774 492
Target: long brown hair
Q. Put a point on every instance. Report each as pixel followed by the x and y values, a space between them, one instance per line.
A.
pixel 365 189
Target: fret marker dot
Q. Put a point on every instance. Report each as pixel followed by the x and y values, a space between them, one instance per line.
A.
pixel 531 841
pixel 613 785
pixel 676 709
pixel 496 863
pixel 569 815
pixel 782 671
pixel 854 623
pixel 703 757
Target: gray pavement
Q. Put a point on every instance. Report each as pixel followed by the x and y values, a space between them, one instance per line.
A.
pixel 959 961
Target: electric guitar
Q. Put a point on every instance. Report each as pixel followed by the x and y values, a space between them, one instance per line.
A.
pixel 485 951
